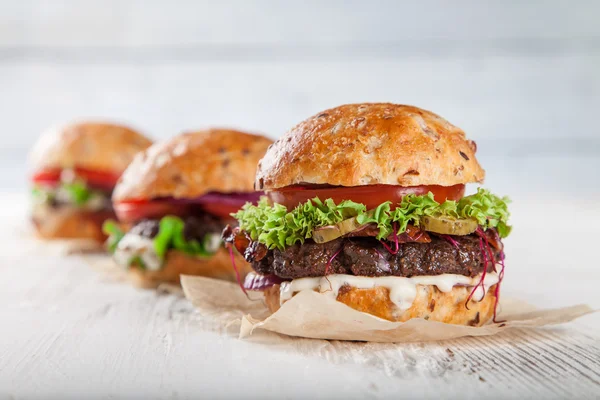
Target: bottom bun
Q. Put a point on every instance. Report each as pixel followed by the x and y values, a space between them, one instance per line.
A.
pixel 430 304
pixel 71 223
pixel 177 263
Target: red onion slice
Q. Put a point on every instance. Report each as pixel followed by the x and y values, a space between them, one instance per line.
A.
pixel 259 282
pixel 236 198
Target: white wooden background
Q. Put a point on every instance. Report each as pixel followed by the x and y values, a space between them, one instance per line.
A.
pixel 521 77
pixel 70 332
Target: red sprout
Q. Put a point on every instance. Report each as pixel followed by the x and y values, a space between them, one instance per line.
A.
pixel 331 260
pixel 450 239
pixel 483 236
pixel 237 272
pixel 481 281
pixel 495 239
pixel 497 291
pixel 328 266
pixel 397 245
pixel 419 236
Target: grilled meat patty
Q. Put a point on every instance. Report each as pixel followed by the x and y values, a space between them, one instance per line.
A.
pixel 366 256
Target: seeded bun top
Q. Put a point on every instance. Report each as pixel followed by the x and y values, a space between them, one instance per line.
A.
pixel 372 143
pixel 193 164
pixel 91 145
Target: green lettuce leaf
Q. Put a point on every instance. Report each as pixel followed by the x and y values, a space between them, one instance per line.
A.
pixel 78 191
pixel 489 210
pixel 170 236
pixel 275 227
pixel 41 195
pixel 115 234
pixel 137 260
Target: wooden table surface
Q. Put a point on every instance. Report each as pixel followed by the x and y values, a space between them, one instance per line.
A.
pixel 69 332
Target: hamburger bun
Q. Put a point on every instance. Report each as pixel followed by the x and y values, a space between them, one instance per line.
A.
pixel 193 164
pixel 71 223
pixel 91 145
pixel 177 263
pixel 372 143
pixel 430 303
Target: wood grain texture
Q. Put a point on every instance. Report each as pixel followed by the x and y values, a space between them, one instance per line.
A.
pixel 130 23
pixel 499 70
pixel 521 78
pixel 505 99
pixel 68 332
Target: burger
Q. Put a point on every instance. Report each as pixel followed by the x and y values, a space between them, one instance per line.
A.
pixel 75 168
pixel 174 200
pixel 365 203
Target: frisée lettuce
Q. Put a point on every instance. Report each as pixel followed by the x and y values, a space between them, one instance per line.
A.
pixel 276 227
pixel 170 236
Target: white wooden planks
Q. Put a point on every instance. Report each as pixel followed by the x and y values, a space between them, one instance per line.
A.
pixel 501 70
pixel 67 332
pixel 133 23
pixel 504 98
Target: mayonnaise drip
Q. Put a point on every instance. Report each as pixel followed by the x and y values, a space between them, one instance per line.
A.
pixel 403 291
pixel 131 246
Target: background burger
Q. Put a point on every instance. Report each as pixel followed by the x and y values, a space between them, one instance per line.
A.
pixel 75 169
pixel 365 203
pixel 174 201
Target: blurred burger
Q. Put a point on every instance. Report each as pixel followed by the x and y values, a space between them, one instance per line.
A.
pixel 75 168
pixel 366 203
pixel 174 200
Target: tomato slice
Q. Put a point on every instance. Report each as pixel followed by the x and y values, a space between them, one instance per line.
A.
pixel 136 210
pixel 104 180
pixel 47 178
pixel 369 195
pixel 222 210
pixel 99 179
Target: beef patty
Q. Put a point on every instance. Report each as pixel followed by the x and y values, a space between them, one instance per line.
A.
pixel 368 257
pixel 196 227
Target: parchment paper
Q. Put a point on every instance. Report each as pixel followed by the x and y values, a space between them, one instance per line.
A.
pixel 312 315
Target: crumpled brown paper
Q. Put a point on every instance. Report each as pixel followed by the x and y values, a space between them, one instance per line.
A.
pixel 312 315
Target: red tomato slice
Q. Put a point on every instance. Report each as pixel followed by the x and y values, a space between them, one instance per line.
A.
pixel 369 195
pixel 222 210
pixel 99 179
pixel 136 210
pixel 49 177
pixel 105 180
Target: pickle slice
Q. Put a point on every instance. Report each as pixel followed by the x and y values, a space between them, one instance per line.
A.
pixel 448 226
pixel 332 232
pixel 326 234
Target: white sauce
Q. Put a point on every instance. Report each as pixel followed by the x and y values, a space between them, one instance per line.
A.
pixel 403 291
pixel 212 242
pixel 96 202
pixel 137 246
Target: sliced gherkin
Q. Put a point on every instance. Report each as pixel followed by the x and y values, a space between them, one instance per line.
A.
pixel 332 232
pixel 448 226
pixel 326 234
